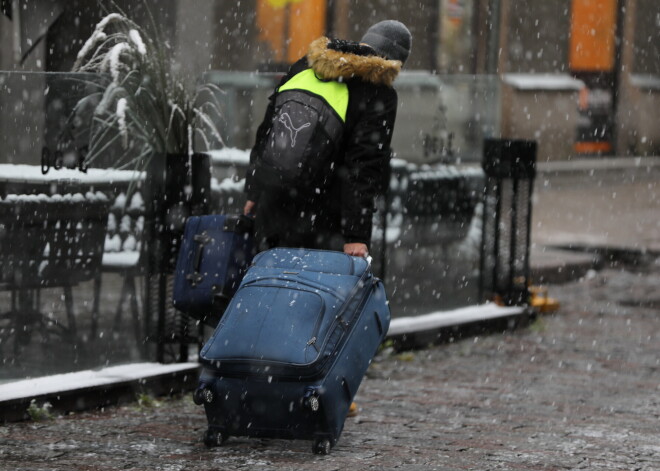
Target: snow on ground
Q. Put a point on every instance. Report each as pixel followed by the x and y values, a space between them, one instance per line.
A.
pixel 227 185
pixel 543 82
pixel 439 319
pixel 33 174
pixel 87 379
pixel 229 155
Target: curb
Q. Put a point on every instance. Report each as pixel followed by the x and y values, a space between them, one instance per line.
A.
pixel 614 255
pixel 417 332
pixel 590 166
pixel 89 389
pixel 557 265
pixel 563 264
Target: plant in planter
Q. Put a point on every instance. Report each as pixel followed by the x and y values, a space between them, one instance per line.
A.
pixel 145 119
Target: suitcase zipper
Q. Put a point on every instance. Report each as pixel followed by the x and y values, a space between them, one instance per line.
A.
pixel 291 280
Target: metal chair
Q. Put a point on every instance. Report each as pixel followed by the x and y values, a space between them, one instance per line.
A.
pixel 125 259
pixel 48 242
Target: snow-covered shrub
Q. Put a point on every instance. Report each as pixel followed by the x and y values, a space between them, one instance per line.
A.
pixel 140 107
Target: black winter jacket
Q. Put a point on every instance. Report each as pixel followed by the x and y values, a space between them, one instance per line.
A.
pixel 363 166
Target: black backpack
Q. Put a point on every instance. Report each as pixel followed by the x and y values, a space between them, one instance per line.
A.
pixel 306 133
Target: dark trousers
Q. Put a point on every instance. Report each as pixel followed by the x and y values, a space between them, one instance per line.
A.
pixel 286 220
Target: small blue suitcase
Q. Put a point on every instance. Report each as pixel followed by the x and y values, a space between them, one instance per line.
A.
pixel 215 252
pixel 291 350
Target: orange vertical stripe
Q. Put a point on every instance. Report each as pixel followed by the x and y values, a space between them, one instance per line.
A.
pixel 306 23
pixel 593 24
pixel 271 21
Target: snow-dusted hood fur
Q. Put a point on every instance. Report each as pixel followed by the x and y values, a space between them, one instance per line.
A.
pixel 348 62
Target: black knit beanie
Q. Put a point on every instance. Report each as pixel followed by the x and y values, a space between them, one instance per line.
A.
pixel 390 39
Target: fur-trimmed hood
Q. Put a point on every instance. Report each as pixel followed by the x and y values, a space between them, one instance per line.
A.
pixel 341 59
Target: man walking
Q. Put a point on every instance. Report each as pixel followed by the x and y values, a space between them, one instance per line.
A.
pixel 322 151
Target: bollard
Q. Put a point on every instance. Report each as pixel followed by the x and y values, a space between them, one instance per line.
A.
pixel 510 168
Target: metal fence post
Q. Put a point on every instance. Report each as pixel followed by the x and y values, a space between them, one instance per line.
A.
pixel 169 206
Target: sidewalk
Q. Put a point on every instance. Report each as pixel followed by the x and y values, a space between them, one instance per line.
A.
pixel 590 213
pixel 577 390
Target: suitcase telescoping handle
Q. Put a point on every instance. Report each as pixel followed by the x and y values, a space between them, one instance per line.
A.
pixel 202 239
pixel 240 224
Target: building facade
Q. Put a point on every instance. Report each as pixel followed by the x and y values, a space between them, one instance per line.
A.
pixel 582 77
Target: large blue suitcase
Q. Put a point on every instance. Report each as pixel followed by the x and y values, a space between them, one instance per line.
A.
pixel 291 350
pixel 215 252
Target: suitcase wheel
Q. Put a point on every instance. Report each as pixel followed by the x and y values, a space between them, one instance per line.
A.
pixel 313 403
pixel 202 394
pixel 321 446
pixel 214 438
pixel 311 400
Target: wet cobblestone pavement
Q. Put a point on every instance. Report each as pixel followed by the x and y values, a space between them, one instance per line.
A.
pixel 579 389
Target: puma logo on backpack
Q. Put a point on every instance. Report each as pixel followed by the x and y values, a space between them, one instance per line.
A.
pixel 285 119
pixel 306 133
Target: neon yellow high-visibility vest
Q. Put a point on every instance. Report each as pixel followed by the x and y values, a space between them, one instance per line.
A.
pixel 333 92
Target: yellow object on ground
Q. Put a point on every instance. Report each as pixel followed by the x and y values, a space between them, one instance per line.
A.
pixel 353 410
pixel 540 300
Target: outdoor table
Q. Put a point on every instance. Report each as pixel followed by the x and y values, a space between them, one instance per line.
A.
pixel 29 179
pixel 48 241
pixel 52 233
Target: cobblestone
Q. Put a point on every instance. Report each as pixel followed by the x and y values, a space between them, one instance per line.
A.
pixel 579 389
